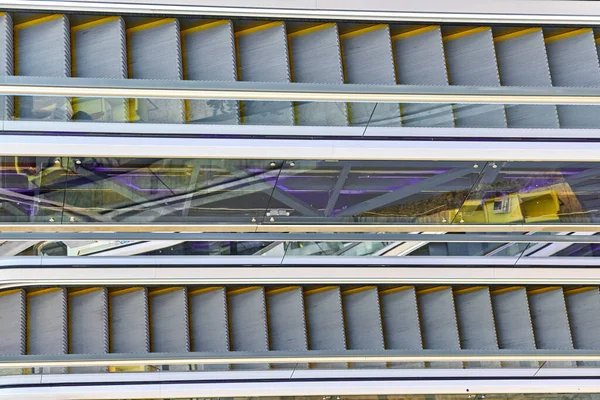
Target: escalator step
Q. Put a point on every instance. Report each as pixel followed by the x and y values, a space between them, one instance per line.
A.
pixel 13 318
pixel 364 329
pixel 88 324
pixel 476 322
pixel 129 321
pixel 287 321
pixel 43 49
pixel 472 61
pixel 316 58
pixel 6 62
pixel 325 321
pixel 368 59
pixel 169 321
pixel 550 321
pixel 420 60
pixel 401 325
pixel 155 53
pixel 248 322
pixel 100 51
pixel 522 61
pixel 513 322
pixel 263 57
pixel 583 307
pixel 438 322
pixel 209 55
pixel 573 61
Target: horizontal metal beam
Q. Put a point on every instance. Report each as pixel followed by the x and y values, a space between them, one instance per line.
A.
pixel 146 88
pixel 281 357
pixel 515 12
pixel 474 237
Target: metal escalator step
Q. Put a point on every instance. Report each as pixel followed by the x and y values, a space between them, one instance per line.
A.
pixel 47 324
pixel 550 321
pixel 6 62
pixel 129 321
pixel 325 321
pixel 169 321
pixel 13 322
pixel 583 307
pixel 574 62
pixel 88 324
pixel 476 322
pixel 420 60
pixel 472 61
pixel 364 329
pixel 368 59
pixel 100 51
pixel 315 56
pixel 402 330
pixel 438 322
pixel 209 55
pixel 43 49
pixel 248 322
pixel 287 321
pixel 263 57
pixel 155 53
pixel 522 61
pixel 208 322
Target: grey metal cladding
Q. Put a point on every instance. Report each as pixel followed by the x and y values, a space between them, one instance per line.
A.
pixel 248 319
pixel 574 62
pixel 583 308
pixel 472 61
pixel 209 54
pixel 287 321
pixel 522 61
pixel 100 50
pixel 438 319
pixel 325 319
pixel 88 322
pixel 47 322
pixel 129 321
pixel 155 53
pixel 368 59
pixel 209 325
pixel 550 320
pixel 169 325
pixel 362 313
pixel 420 60
pixel 13 320
pixel 316 58
pixel 263 57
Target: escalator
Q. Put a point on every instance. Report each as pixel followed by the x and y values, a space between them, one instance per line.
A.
pixel 99 320
pixel 278 51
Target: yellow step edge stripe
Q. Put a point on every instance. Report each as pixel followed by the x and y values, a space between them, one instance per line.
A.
pixel 39 292
pixel 94 23
pixel 507 289
pixel 470 290
pixel 150 25
pixel 204 290
pixel 38 21
pixel 466 32
pixel 204 27
pixel 258 28
pixel 567 35
pixel 544 290
pixel 396 290
pixel 282 290
pixel 516 34
pixel 363 31
pixel 434 289
pixel 9 292
pixel 321 289
pixel 125 291
pixel 580 290
pixel 415 32
pixel 165 290
pixel 312 29
pixel 358 290
pixel 85 291
pixel 243 290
